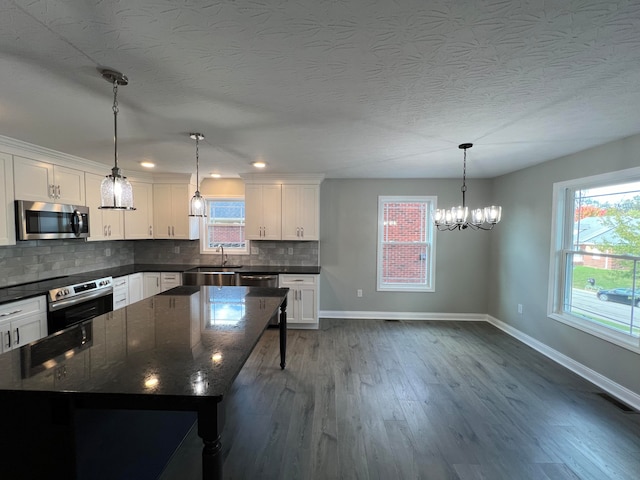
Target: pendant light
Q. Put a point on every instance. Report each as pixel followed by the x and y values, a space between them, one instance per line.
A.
pixel 116 192
pixel 197 204
pixel 456 218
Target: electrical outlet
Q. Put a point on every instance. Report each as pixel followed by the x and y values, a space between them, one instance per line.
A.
pixel 290 250
pixel 254 251
pixel 359 292
pixel 520 308
pixel 176 249
pixel 107 252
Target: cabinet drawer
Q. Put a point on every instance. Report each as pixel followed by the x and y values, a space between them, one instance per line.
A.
pixel 22 308
pixel 298 279
pixel 121 283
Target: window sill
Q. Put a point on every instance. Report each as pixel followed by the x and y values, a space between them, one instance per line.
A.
pixel 620 339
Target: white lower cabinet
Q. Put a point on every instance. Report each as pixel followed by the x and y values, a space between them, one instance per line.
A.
pixel 120 292
pixel 169 280
pixel 302 300
pixel 136 287
pixel 151 284
pixel 22 322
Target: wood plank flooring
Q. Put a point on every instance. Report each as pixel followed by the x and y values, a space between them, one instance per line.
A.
pixel 367 399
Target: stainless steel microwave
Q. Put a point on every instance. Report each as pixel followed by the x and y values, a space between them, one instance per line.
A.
pixel 47 221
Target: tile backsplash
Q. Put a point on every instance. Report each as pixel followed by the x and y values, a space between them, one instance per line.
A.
pixel 39 259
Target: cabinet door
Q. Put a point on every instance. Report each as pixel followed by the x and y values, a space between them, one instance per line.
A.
pixel 27 330
pixel 120 292
pixel 69 185
pixel 272 212
pixel 183 227
pixel 138 223
pixel 253 212
pixel 151 283
pixel 307 305
pixel 97 229
pixel 33 180
pixel 300 212
pixel 162 211
pixel 136 287
pixel 7 210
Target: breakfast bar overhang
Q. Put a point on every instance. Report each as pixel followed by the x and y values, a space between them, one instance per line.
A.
pixel 177 351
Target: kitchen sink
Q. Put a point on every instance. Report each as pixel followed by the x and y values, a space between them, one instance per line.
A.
pixel 209 277
pixel 214 268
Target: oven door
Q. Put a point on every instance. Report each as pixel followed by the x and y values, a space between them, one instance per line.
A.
pixel 68 312
pixel 46 221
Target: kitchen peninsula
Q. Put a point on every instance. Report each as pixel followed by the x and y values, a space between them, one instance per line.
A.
pixel 177 351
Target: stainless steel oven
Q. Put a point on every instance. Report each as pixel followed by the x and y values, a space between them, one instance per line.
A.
pixel 47 221
pixel 76 303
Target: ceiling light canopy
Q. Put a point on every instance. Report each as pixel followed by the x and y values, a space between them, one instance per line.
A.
pixel 197 204
pixel 456 218
pixel 115 191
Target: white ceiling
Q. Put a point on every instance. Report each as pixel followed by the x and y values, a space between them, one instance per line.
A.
pixel 348 88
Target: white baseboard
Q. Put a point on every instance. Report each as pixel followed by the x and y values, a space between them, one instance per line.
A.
pixel 615 389
pixel 366 315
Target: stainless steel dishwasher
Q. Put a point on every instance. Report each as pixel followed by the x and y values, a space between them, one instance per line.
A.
pixel 260 280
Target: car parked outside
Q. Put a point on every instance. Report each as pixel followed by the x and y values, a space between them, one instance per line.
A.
pixel 620 295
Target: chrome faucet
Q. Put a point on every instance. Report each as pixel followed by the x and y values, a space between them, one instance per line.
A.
pixel 223 260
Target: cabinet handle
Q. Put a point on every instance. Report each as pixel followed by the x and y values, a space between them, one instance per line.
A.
pixel 104 231
pixel 302 232
pixel 51 191
pixel 173 231
pixel 157 282
pixel 8 338
pixel 59 194
pixel 150 230
pixel 121 300
pixel 168 230
pixel 109 230
pixel 10 313
pixel 120 284
pixel 17 336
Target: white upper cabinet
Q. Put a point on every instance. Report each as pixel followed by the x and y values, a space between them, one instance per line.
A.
pixel 262 212
pixel 138 223
pixel 171 218
pixel 7 206
pixel 45 182
pixel 282 207
pixel 103 224
pixel 300 212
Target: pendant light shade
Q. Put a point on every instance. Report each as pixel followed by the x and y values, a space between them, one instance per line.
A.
pixel 116 192
pixel 197 205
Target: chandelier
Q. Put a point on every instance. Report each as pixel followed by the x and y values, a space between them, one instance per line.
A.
pixel 455 218
pixel 116 192
pixel 197 203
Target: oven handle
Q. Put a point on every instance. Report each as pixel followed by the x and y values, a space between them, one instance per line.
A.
pixel 53 306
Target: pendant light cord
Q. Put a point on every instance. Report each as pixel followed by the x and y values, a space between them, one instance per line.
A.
pixel 197 165
pixel 115 122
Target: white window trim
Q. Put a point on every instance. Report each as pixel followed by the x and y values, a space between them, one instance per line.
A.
pixel 559 231
pixel 431 256
pixel 203 231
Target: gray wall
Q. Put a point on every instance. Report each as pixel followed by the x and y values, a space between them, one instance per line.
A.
pixel 348 229
pixel 521 248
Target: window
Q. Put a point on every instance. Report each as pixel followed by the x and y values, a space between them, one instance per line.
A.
pixel 595 265
pixel 224 225
pixel 405 244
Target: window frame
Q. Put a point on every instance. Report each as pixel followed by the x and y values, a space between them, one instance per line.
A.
pixel 562 249
pixel 431 205
pixel 204 249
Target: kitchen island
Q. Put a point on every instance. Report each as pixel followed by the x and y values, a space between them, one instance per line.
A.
pixel 177 351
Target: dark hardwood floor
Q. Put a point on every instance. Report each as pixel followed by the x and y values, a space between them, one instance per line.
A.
pixel 366 399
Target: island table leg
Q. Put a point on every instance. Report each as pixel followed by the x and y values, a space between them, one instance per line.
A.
pixel 210 423
pixel 283 334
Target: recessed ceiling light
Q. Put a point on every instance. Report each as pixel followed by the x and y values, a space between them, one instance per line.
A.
pixel 147 164
pixel 259 164
pixel 216 175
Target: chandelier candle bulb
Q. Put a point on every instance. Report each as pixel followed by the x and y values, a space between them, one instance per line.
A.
pixel 456 218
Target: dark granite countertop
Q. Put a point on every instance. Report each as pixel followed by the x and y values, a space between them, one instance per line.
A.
pixel 33 289
pixel 182 344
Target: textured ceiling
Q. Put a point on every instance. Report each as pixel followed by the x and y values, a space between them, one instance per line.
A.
pixel 351 88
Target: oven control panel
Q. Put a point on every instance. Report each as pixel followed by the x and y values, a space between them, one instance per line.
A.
pixel 79 288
